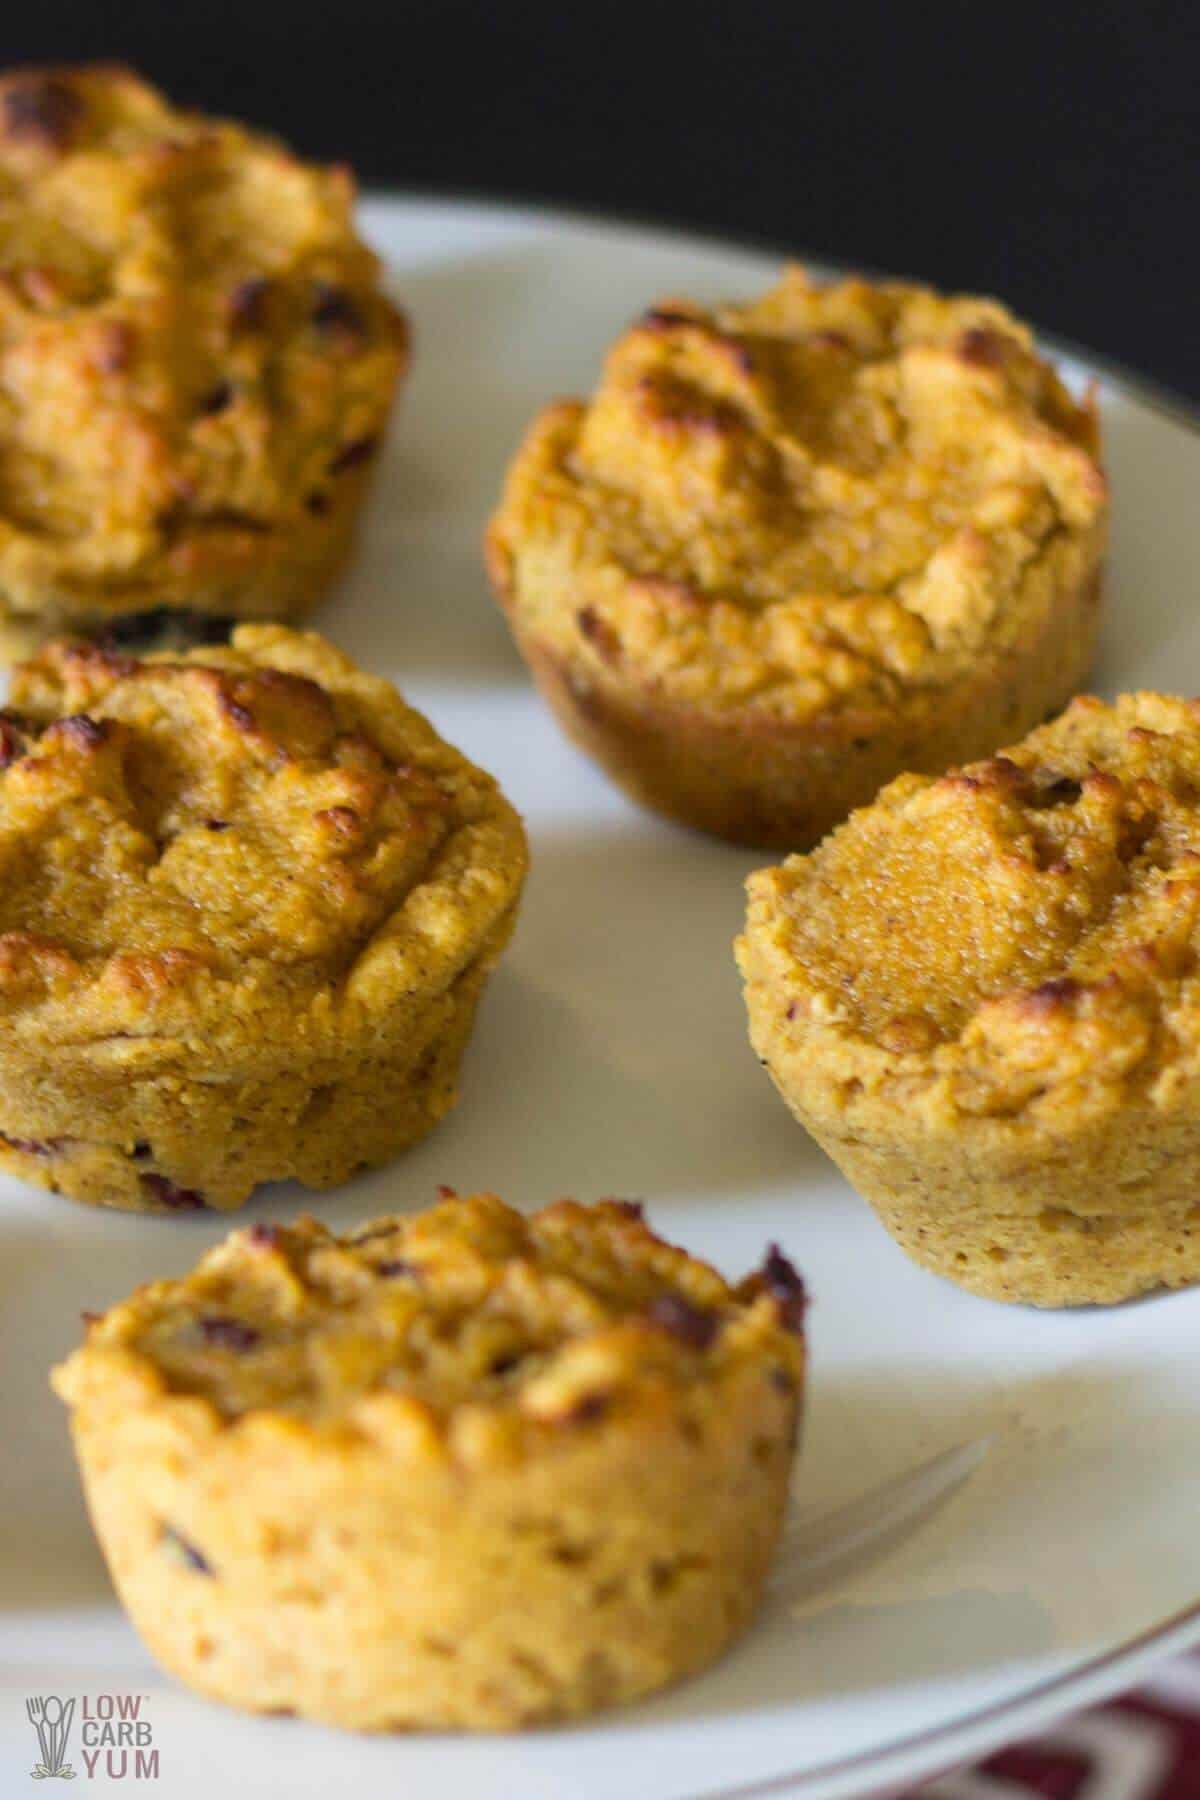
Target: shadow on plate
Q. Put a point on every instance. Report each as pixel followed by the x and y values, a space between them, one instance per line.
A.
pixel 1000 1570
pixel 56 1261
pixel 487 358
pixel 1148 634
pixel 612 1055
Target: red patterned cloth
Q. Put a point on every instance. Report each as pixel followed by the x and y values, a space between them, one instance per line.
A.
pixel 1143 1747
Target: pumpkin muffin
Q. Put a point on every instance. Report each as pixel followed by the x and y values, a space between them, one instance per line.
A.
pixel 464 1470
pixel 196 361
pixel 248 902
pixel 792 548
pixel 982 997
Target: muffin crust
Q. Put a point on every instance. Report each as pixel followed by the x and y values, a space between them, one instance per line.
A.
pixel 248 900
pixel 981 997
pixel 196 360
pixel 461 1470
pixel 790 548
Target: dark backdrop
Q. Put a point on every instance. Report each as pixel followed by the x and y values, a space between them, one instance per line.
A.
pixel 1048 154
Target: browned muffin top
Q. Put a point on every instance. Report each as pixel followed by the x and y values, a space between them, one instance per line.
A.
pixel 469 1316
pixel 193 343
pixel 817 499
pixel 1018 931
pixel 241 839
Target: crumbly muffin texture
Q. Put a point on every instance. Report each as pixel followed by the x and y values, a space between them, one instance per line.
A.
pixel 792 547
pixel 196 359
pixel 466 1469
pixel 982 996
pixel 248 899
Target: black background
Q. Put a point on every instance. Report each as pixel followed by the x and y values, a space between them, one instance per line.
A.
pixel 1046 154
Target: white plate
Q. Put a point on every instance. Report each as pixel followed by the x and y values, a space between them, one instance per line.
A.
pixel 611 1057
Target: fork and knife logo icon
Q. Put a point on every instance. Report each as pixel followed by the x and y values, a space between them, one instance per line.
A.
pixel 51 1719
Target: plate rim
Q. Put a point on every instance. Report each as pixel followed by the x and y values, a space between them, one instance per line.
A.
pixel 1148 390
pixel 1100 1676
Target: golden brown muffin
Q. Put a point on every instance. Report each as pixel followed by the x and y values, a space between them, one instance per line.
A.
pixel 248 901
pixel 196 360
pixel 462 1470
pixel 792 548
pixel 982 997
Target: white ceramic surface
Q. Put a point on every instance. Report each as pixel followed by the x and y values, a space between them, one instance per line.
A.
pixel 611 1057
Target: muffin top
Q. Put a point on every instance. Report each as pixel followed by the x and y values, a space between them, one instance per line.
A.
pixel 193 344
pixel 1020 934
pixel 468 1327
pixel 814 501
pixel 207 846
